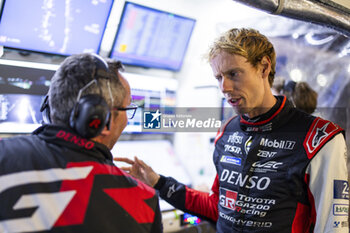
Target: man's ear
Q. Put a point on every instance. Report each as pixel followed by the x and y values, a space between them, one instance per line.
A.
pixel 266 66
pixel 105 131
pixel 101 138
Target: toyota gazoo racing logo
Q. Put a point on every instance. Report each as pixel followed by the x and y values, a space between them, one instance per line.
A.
pixel 245 204
pixel 228 198
pixel 68 205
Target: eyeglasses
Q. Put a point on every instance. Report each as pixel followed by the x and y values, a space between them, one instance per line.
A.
pixel 130 110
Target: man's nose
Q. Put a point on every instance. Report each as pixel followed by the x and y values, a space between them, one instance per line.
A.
pixel 226 84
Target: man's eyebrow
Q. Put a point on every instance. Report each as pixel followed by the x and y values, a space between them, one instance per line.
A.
pixel 236 69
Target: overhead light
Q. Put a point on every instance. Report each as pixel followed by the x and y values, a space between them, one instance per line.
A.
pixel 296 75
pixel 321 80
pixel 313 41
pixel 295 35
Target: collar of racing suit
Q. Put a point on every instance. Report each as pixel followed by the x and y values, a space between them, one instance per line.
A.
pixel 279 114
pixel 66 137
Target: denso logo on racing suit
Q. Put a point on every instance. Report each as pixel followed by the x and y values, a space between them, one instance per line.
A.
pixel 250 182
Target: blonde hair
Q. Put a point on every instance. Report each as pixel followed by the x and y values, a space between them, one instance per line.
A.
pixel 248 43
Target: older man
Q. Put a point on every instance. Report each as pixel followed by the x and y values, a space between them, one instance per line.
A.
pixel 62 177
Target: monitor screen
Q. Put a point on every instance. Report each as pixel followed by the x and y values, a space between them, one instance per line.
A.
pixel 16 79
pixel 152 38
pixel 148 96
pixel 23 86
pixel 54 27
pixel 20 113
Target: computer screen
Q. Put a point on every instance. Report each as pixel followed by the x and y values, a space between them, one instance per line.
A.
pixel 20 113
pixel 23 86
pixel 152 38
pixel 55 26
pixel 150 93
pixel 17 79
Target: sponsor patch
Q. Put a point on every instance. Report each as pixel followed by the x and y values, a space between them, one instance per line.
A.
pixel 233 149
pixel 340 210
pixel 249 182
pixel 320 131
pixel 277 144
pixel 235 138
pixel 266 154
pixel 231 160
pixel 228 198
pixel 340 224
pixel 265 166
pixel 262 128
pixel 341 189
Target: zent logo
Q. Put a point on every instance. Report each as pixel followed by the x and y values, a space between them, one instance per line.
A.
pixel 152 120
pixel 266 154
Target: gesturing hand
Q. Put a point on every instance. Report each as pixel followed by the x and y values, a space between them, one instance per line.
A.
pixel 139 170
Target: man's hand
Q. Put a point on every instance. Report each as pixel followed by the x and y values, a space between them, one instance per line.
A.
pixel 140 170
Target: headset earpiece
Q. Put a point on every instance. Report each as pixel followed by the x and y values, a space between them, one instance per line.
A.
pixel 45 110
pixel 91 113
pixel 89 116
